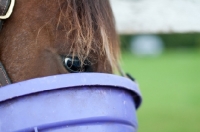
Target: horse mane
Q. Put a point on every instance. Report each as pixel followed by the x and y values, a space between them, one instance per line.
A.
pixel 90 29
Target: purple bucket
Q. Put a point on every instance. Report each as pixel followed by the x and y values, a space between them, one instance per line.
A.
pixel 81 102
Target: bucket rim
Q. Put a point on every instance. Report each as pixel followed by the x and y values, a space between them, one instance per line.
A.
pixel 64 81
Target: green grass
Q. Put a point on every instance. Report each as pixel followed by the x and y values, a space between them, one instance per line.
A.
pixel 170 85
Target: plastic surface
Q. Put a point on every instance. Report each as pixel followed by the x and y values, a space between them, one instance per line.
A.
pixel 73 102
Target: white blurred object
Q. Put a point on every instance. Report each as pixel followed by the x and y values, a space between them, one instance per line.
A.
pixel 156 16
pixel 147 45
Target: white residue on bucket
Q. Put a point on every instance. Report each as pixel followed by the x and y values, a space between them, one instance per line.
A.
pixel 84 80
pixel 35 129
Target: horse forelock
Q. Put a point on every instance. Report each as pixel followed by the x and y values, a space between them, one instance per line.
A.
pixel 90 28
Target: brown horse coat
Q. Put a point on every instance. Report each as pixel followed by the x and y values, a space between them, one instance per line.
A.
pixel 40 31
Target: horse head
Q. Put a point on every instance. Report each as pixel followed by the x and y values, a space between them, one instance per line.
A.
pixel 48 37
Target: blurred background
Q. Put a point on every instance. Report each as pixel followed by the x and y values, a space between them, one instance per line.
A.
pixel 160 42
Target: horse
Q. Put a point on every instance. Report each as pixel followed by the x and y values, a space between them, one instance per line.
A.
pixel 50 37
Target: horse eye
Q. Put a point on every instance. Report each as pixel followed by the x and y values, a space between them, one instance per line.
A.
pixel 73 65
